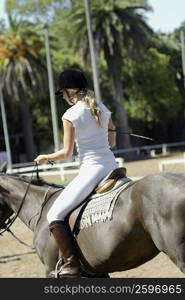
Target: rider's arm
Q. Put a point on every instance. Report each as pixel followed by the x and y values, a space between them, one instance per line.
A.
pixel 112 134
pixel 68 145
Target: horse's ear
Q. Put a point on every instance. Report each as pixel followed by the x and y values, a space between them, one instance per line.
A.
pixel 3 167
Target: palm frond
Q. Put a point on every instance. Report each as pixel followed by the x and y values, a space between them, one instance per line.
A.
pixel 23 65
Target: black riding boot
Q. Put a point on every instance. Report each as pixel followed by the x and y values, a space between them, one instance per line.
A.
pixel 67 244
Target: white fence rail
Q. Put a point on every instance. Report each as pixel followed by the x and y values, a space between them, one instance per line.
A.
pixel 163 163
pixel 152 149
pixel 65 170
pixel 61 169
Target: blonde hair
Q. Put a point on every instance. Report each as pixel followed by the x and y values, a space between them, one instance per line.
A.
pixel 88 97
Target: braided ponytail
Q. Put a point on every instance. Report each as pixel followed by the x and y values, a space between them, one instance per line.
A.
pixel 89 98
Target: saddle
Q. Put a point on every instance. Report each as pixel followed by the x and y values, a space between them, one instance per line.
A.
pixel 110 180
pixel 110 184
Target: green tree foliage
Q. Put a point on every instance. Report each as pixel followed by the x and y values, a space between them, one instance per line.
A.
pixel 148 84
pixel 171 45
pixel 22 72
pixel 36 10
pixel 152 93
pixel 117 25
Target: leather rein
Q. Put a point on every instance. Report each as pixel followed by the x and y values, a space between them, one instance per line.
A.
pixel 9 221
pixel 12 220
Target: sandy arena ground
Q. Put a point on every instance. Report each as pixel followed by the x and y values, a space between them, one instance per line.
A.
pixel 18 261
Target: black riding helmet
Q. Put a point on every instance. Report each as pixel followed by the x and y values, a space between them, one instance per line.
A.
pixel 71 78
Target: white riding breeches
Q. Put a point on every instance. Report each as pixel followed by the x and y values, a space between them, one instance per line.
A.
pixel 78 189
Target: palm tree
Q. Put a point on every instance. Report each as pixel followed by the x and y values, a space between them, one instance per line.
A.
pixel 20 70
pixel 118 28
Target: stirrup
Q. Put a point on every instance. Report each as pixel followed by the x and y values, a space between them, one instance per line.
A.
pixel 59 268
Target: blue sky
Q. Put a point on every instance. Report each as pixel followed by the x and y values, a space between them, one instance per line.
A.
pixel 166 16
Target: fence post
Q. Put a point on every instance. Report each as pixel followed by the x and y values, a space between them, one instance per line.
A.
pixel 164 149
pixel 161 166
pixel 62 173
pixel 120 161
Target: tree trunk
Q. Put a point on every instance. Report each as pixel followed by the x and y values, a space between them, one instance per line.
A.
pixel 26 125
pixel 114 62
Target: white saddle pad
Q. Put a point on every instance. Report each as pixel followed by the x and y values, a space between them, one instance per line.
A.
pixel 100 206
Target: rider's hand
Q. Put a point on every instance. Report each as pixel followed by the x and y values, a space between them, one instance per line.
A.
pixel 41 159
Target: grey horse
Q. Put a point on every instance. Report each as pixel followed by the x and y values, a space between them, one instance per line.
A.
pixel 148 217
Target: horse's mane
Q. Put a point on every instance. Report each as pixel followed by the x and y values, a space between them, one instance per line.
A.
pixel 36 181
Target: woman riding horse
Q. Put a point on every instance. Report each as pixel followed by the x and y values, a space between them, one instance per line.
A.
pixel 86 123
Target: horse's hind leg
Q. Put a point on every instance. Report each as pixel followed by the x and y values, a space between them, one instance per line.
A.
pixel 179 258
pixel 178 236
pixel 173 245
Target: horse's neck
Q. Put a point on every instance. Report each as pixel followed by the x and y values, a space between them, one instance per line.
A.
pixel 32 204
pixel 37 199
pixel 30 201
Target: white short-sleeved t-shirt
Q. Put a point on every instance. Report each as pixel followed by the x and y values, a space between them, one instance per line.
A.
pixel 91 140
